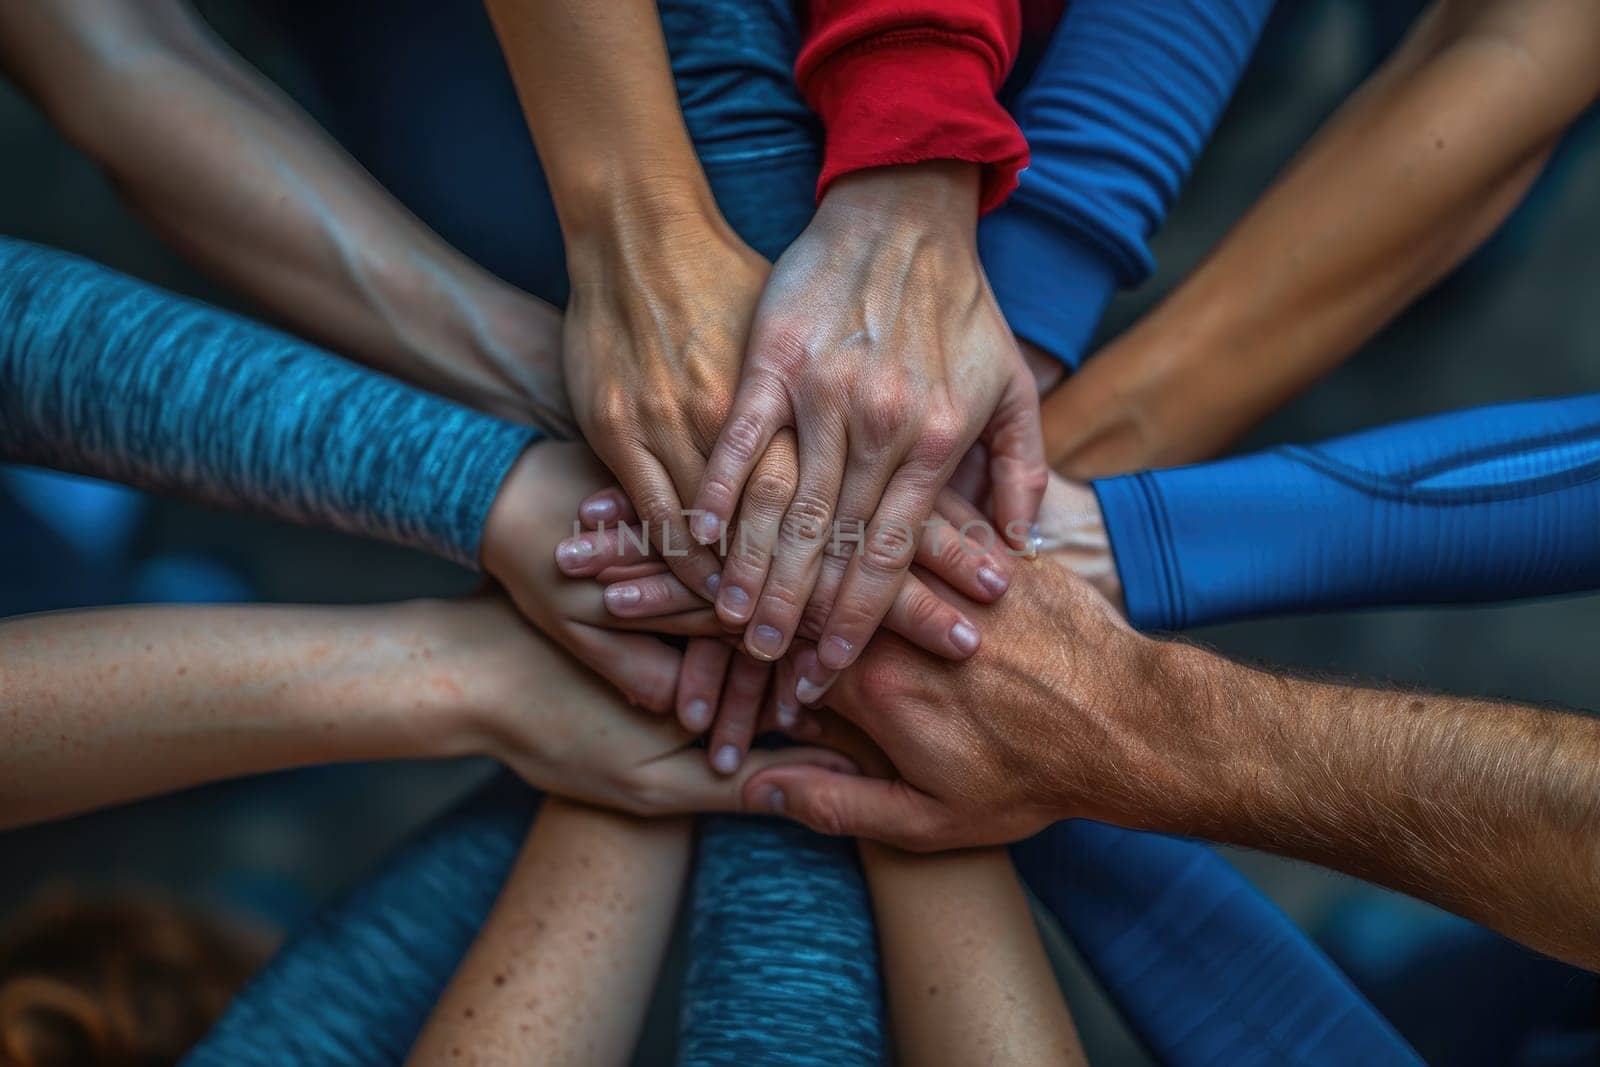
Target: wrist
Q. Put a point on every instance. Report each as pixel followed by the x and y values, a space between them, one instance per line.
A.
pixel 633 217
pixel 934 197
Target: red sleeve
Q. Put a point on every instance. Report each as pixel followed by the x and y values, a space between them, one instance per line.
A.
pixel 903 81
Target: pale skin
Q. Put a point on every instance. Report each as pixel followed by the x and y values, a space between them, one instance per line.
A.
pixel 1415 171
pixel 1482 807
pixel 227 169
pixel 107 706
pixel 664 300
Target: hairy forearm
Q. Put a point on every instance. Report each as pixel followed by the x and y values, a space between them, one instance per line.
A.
pixel 563 969
pixel 1411 174
pixel 106 706
pixel 1485 808
pixel 239 179
pixel 966 974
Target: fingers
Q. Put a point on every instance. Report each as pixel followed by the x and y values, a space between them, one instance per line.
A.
pixel 751 540
pixel 656 502
pixel 609 506
pixel 645 669
pixel 812 679
pixel 684 782
pixel 846 805
pixel 742 699
pixel 961 547
pixel 586 554
pixel 930 623
pixel 803 536
pixel 705 667
pixel 759 410
pixel 1017 467
pixel 878 567
pixel 651 597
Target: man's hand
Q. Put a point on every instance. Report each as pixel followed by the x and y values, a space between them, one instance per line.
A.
pixel 1037 726
pixel 878 340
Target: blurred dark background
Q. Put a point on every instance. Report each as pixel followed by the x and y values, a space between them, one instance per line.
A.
pixel 1517 321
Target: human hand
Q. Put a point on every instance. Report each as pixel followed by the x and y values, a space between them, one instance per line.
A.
pixel 530 516
pixel 555 724
pixel 652 342
pixel 878 340
pixel 954 549
pixel 1064 712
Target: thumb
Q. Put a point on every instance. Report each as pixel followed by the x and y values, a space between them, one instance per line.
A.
pixel 844 805
pixel 684 782
pixel 1016 461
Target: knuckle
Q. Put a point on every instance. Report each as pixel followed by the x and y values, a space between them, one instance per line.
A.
pixel 770 490
pixel 940 437
pixel 806 521
pixel 889 547
pixel 742 436
pixel 827 816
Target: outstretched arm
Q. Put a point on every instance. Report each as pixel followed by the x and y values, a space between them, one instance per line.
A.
pixel 239 179
pixel 1485 808
pixel 106 706
pixel 1415 171
pixel 563 968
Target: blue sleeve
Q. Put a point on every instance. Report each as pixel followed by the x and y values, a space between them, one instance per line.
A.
pixel 102 375
pixel 1205 969
pixel 355 986
pixel 1118 110
pixel 1488 504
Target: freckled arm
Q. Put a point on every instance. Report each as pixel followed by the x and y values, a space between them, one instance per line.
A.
pixel 105 706
pixel 562 971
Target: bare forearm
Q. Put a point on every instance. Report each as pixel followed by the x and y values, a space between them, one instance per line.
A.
pixel 563 969
pixel 597 90
pixel 240 180
pixel 967 977
pixel 1412 174
pixel 1488 809
pixel 100 707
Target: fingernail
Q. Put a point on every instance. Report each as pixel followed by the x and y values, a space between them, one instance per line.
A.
pixel 713 583
pixel 736 601
pixel 809 692
pixel 992 581
pixel 572 553
pixel 601 510
pixel 964 636
pixel 766 640
pixel 726 760
pixel 1035 540
pixel 771 798
pixel 835 653
pixel 706 527
pixel 622 596
pixel 697 715
pixel 787 714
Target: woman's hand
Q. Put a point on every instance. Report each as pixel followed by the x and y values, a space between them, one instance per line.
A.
pixel 531 516
pixel 554 723
pixel 878 341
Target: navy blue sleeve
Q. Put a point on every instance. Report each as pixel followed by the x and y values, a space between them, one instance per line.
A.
pixel 1492 503
pixel 1116 114
pixel 102 375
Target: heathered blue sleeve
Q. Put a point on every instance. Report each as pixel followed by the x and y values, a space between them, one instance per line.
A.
pixel 1115 115
pixel 103 375
pixel 1492 503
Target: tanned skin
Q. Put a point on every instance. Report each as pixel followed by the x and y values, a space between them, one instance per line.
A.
pixel 1483 807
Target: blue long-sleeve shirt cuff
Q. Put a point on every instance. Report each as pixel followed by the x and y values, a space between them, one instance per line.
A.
pixel 1494 503
pixel 1052 285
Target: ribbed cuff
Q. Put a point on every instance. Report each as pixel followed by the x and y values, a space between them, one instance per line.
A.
pixel 1052 284
pixel 910 98
pixel 1141 544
